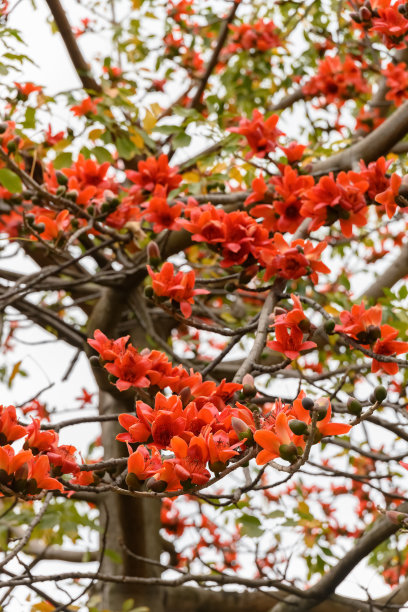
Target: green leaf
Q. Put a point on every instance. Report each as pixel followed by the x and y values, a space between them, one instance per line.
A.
pixel 181 140
pixel 63 160
pixel 126 148
pixel 250 526
pixel 102 155
pixel 29 121
pixel 10 180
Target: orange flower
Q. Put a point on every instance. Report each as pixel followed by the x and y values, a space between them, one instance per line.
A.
pixel 10 429
pixel 152 172
pixel 271 442
pixel 178 287
pixel 388 197
pixel 387 345
pixel 290 344
pixel 262 134
pixel 86 107
pixel 39 471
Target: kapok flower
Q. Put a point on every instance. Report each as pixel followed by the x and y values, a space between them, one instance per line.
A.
pixel 86 107
pixel 39 472
pixel 190 459
pixel 10 429
pixel 130 368
pixel 324 426
pixel 108 349
pixel 178 287
pixel 388 346
pixel 290 342
pixel 262 135
pixel 152 172
pixel 388 197
pixel 271 442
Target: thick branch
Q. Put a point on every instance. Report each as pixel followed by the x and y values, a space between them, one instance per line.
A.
pixel 72 47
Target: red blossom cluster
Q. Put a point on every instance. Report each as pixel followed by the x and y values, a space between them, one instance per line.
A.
pixel 396 78
pixel 261 35
pixel 196 423
pixel 365 327
pixel 337 81
pixel 28 471
pixel 341 198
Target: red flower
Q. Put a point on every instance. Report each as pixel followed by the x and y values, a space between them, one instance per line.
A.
pixel 158 212
pixel 39 471
pixel 243 236
pixel 272 441
pixel 190 460
pixel 52 139
pixel 259 191
pixel 108 349
pixel 27 88
pixel 86 107
pixel 262 135
pixel 294 152
pixel 396 78
pixel 361 324
pixel 178 287
pixel 10 429
pixel 261 35
pixel 153 172
pixel 292 261
pixel 336 82
pixel 341 199
pixel 40 441
pixel 375 175
pixel 206 223
pixel 387 345
pixel 130 367
pixel 392 26
pixel 289 344
pixel 324 426
pixel 387 197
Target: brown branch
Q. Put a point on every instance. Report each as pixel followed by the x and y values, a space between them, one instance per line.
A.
pixel 214 58
pixel 78 60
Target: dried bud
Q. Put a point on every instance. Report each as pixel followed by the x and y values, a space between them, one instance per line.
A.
pixel 157 486
pixel 365 14
pixel 132 481
pixel 185 396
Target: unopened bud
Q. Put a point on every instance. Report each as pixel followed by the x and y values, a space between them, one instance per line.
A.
pixel 288 452
pixel 72 195
pixel 398 518
pixel 132 481
pixel 62 179
pixel 308 403
pixel 354 406
pixel 365 14
pixel 298 427
pixel 153 253
pixel 3 127
pixel 329 326
pixel 380 393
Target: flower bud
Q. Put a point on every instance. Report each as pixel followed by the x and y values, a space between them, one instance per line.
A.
pixel 380 393
pixel 354 406
pixel 132 481
pixel 62 179
pixel 308 403
pixel 3 127
pixel 72 195
pixel 329 326
pixel 149 292
pixel 298 427
pixel 398 518
pixel 322 406
pixel 153 253
pixel 288 452
pixel 248 388
pixel 61 190
pixel 365 14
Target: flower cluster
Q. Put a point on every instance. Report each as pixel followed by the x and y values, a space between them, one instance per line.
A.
pixel 341 198
pixel 365 327
pixel 336 81
pixel 28 471
pixel 261 35
pixel 285 428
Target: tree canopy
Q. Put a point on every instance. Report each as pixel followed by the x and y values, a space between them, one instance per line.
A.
pixel 215 217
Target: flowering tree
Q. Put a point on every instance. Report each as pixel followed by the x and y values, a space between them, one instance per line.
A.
pixel 229 176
